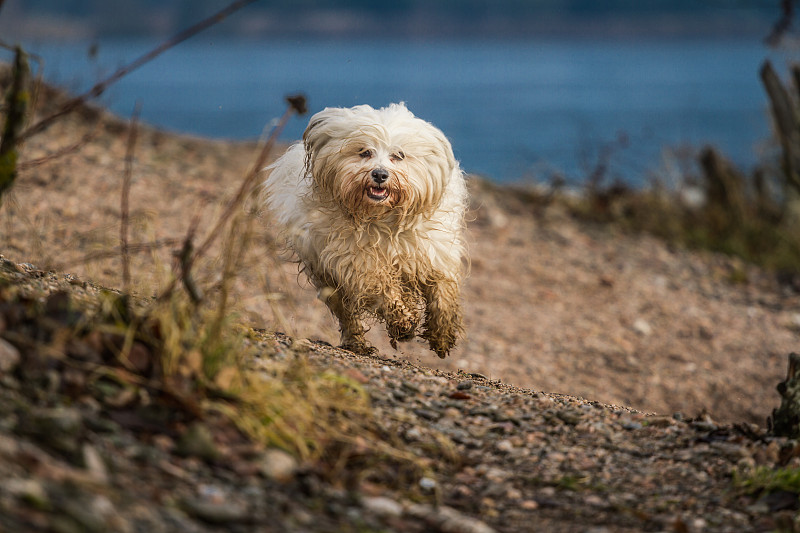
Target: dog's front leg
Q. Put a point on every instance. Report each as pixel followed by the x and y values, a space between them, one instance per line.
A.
pixel 400 313
pixel 350 326
pixel 443 324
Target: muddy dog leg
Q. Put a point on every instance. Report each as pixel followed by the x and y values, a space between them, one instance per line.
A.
pixel 443 323
pixel 400 312
pixel 351 328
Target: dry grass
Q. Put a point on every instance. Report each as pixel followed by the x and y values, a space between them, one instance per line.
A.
pixel 750 217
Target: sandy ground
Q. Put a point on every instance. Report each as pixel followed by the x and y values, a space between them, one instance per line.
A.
pixel 551 304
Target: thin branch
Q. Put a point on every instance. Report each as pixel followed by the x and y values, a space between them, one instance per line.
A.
pixel 125 199
pixel 100 87
pixel 185 263
pixel 61 152
pixel 115 252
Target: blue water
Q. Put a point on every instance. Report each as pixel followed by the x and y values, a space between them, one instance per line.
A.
pixel 513 110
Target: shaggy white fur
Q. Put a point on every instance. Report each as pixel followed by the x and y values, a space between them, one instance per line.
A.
pixel 372 202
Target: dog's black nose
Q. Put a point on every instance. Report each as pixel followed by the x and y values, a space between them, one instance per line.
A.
pixel 379 175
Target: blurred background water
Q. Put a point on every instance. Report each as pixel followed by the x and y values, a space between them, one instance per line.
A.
pixel 524 105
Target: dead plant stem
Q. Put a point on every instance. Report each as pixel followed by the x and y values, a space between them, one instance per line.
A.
pixel 125 200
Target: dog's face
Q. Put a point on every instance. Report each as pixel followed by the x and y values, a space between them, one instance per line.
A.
pixel 377 161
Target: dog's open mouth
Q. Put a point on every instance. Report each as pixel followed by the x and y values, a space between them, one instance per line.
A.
pixel 377 193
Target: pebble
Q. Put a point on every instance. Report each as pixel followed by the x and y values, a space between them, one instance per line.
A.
pixel 9 356
pixel 215 513
pixel 529 505
pixel 504 446
pixel 382 506
pixel 95 465
pixel 428 414
pixel 198 441
pixel 29 490
pixel 465 385
pixel 278 465
pixel 413 434
pixel 447 519
pixel 427 484
pixel 642 327
pixel 409 387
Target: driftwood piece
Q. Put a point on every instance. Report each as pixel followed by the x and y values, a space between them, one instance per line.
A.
pixel 785 116
pixel 785 420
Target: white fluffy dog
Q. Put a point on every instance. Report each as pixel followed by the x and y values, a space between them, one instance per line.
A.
pixel 373 205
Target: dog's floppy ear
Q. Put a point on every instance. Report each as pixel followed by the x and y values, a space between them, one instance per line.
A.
pixel 318 132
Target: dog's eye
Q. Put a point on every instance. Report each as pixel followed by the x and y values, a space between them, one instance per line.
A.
pixel 399 156
pixel 365 153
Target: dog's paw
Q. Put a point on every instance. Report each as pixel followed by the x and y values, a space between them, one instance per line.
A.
pixel 440 343
pixel 404 334
pixel 442 349
pixel 359 347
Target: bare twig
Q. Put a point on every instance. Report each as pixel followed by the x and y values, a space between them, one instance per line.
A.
pixel 783 24
pixel 125 200
pixel 101 86
pixel 61 152
pixel 185 262
pixel 133 248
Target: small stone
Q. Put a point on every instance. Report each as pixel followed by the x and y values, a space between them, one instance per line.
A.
pixel 302 345
pixel 413 434
pixel 409 387
pixel 427 414
pixel 513 494
pixel 278 465
pixel 198 441
pixel 9 357
pixel 140 357
pixel 443 518
pixel 660 421
pixel 465 385
pixel 529 505
pixel 642 327
pixel 569 416
pixel 216 513
pixel 94 464
pixel 381 506
pixel 427 484
pixel 504 446
pixel 30 491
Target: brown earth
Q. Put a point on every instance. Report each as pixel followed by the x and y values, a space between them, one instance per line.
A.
pixel 551 304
